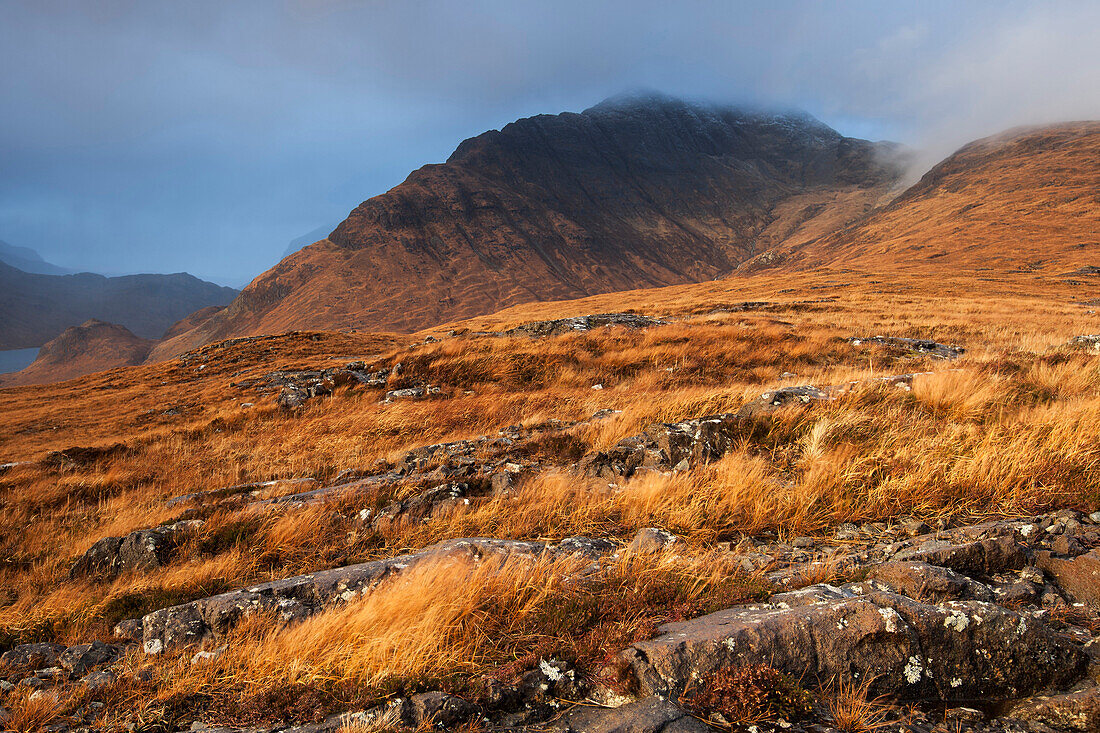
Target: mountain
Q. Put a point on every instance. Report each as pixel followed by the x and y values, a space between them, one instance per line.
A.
pixel 634 192
pixel 27 260
pixel 316 235
pixel 35 308
pixel 1026 199
pixel 90 347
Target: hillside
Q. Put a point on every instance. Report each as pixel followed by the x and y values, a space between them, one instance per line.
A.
pixel 27 260
pixel 93 346
pixel 36 308
pixel 634 192
pixel 1025 199
pixel 763 513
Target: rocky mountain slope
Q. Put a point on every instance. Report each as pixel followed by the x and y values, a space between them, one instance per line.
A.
pixel 35 308
pixel 634 192
pixel 93 346
pixel 1025 199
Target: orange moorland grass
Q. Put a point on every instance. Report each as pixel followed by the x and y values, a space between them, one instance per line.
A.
pixel 448 625
pixel 1009 429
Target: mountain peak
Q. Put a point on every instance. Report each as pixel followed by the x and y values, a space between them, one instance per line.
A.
pixel 641 190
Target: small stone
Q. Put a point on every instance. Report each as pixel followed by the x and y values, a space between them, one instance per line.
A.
pixel 964 715
pixel 1095 517
pixel 803 542
pixel 1066 545
pixel 651 540
pixel 1032 574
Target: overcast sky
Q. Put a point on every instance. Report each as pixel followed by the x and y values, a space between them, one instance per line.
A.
pixel 203 136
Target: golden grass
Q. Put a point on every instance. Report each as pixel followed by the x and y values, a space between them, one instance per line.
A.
pixel 1010 429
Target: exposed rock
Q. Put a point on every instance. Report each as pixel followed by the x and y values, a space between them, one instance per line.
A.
pixel 649 715
pixel 1080 577
pixel 957 651
pixel 930 583
pixel 240 490
pixel 301 596
pixel 980 557
pixel 78 660
pixel 99 680
pixel 424 505
pixel 920 346
pixel 1073 711
pixel 32 655
pixel 412 393
pixel 651 540
pixel 295 388
pixel 128 629
pixel 143 549
pixel 1089 342
pixel 582 323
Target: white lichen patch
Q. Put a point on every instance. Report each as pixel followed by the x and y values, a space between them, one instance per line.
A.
pixel 890 618
pixel 956 620
pixel 552 673
pixel 913 670
pixel 956 682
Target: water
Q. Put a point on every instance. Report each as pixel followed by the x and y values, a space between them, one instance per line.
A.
pixel 16 359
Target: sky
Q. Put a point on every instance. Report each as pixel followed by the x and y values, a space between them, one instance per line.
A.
pixel 167 136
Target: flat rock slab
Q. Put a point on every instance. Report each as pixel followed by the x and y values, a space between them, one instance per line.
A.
pixel 649 715
pixel 1075 711
pixel 304 595
pixel 1080 576
pixel 957 651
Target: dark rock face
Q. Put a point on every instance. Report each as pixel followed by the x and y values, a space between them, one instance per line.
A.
pixel 955 651
pixel 631 193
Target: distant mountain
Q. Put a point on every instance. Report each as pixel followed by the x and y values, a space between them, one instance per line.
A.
pixel 316 235
pixel 90 347
pixel 27 260
pixel 36 308
pixel 632 193
pixel 1026 199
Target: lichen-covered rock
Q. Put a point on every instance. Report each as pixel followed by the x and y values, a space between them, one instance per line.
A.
pixel 144 549
pixel 920 346
pixel 956 651
pixel 649 715
pixel 651 540
pixel 986 556
pixel 301 596
pixel 581 323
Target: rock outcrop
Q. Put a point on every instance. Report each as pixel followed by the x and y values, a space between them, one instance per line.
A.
pixel 144 549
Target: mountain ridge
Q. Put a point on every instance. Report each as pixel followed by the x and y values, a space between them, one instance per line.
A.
pixel 623 195
pixel 35 308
